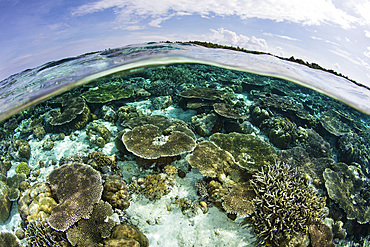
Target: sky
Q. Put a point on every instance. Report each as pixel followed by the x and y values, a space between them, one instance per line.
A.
pixel 333 34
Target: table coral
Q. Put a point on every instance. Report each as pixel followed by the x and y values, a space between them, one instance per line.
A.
pixel 347 186
pixel 77 187
pixel 285 205
pixel 106 93
pixel 90 232
pixel 157 136
pixel 71 108
pixel 214 162
pixel 249 152
pixel 39 233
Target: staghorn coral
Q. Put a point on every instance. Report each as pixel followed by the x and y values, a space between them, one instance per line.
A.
pixel 90 232
pixel 249 152
pixel 126 235
pixel 285 205
pixel 115 192
pixel 77 187
pixel 39 233
pixel 156 185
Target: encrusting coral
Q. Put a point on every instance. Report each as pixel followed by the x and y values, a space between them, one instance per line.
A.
pixel 285 205
pixel 77 187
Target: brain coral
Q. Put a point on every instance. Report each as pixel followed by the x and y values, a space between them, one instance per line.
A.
pixel 126 235
pixel 77 187
pixel 285 205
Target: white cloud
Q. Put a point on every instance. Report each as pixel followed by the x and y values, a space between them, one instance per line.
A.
pixel 367 33
pixel 314 12
pixel 227 37
pixel 367 53
pixel 280 36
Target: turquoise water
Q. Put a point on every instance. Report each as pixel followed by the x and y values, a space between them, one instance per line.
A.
pixel 187 146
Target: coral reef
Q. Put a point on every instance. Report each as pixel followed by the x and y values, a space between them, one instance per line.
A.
pixel 98 134
pixel 36 203
pixel 126 235
pixel 77 187
pixel 206 124
pixel 14 183
pixel 90 232
pixel 205 93
pixel 161 102
pixel 249 152
pixel 9 240
pixel 115 192
pixel 332 123
pixel 106 93
pixel 71 108
pixel 285 205
pixel 157 136
pixel 320 235
pixel 127 112
pixel 5 203
pixel 214 162
pixel 347 186
pixel 39 233
pixel 100 161
pixel 23 148
pixel 239 200
pixel 156 185
pixel 229 111
pixel 23 168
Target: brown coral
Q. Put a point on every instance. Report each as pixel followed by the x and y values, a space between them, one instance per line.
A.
pixel 77 187
pixel 126 235
pixel 239 200
pixel 115 192
pixel 90 232
pixel 285 205
pixel 150 142
pixel 215 162
pixel 320 235
pixel 249 152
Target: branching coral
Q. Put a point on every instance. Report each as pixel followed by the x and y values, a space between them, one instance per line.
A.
pixel 285 205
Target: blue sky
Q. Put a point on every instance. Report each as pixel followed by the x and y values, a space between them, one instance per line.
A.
pixel 334 34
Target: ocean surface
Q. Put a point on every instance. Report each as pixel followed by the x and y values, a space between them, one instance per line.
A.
pixel 174 144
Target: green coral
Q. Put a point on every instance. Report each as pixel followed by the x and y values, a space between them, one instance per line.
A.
pixel 106 93
pixel 23 168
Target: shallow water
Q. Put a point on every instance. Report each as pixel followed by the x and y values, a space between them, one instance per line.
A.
pixel 209 149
